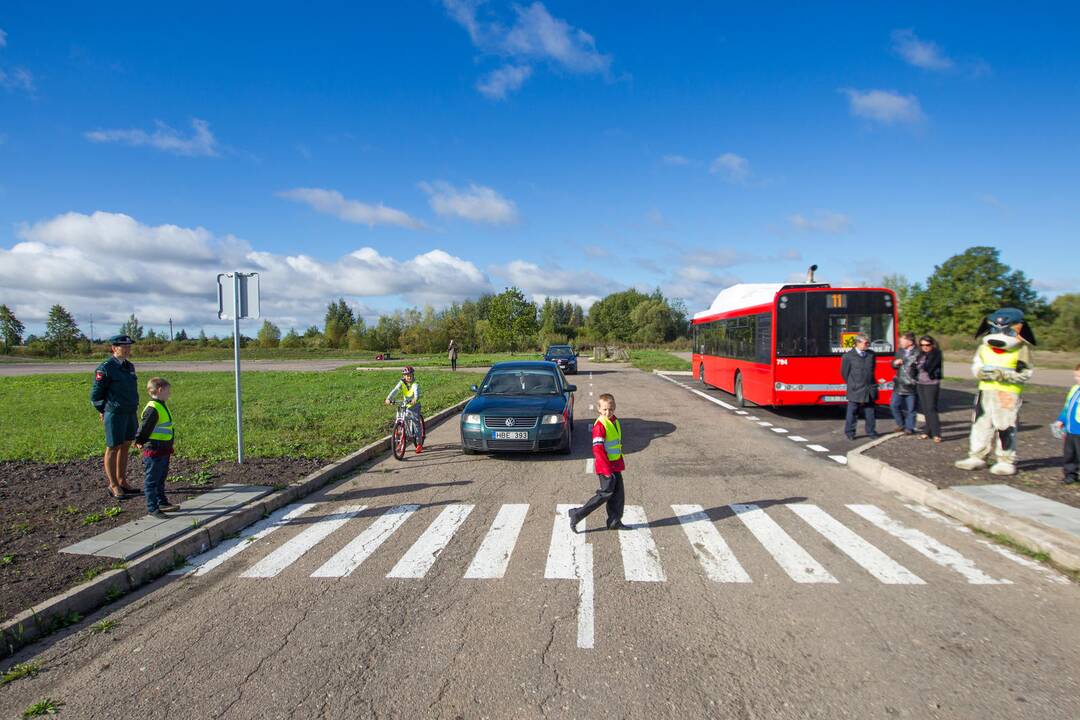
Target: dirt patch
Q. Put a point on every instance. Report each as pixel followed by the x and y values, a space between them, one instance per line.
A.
pixel 45 506
pixel 1039 453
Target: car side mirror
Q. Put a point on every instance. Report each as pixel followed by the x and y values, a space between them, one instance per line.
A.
pixel 474 388
pixel 571 388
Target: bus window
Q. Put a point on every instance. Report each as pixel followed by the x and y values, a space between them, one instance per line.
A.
pixel 822 323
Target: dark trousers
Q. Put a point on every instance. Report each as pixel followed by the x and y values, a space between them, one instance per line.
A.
pixel 610 492
pixel 453 363
pixel 852 421
pixel 928 402
pixel 157 469
pixel 1072 457
pixel 903 411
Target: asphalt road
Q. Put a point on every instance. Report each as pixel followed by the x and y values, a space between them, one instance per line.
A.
pixel 446 586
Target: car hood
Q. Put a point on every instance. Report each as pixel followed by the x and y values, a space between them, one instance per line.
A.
pixel 516 404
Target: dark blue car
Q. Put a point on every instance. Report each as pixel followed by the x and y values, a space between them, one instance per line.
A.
pixel 520 407
pixel 563 356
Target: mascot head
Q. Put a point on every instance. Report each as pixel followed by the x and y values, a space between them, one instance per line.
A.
pixel 1005 330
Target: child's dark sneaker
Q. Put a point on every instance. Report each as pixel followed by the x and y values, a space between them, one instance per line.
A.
pixel 158 514
pixel 166 506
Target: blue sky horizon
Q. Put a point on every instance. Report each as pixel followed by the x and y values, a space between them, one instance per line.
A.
pixel 434 149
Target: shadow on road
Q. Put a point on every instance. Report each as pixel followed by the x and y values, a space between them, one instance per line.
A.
pixel 393 490
pixel 724 512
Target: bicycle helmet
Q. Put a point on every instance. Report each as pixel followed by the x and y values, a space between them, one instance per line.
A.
pixel 407 370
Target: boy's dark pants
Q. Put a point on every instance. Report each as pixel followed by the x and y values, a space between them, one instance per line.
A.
pixel 1072 457
pixel 611 493
pixel 157 469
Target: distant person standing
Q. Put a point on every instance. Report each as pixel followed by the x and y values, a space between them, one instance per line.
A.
pixel 928 385
pixel 903 397
pixel 452 354
pixel 116 396
pixel 857 369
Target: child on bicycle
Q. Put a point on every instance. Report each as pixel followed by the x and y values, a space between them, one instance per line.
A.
pixel 409 390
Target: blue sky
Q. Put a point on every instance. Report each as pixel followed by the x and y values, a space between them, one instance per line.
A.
pixel 416 152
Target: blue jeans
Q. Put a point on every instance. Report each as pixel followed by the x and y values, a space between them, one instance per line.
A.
pixel 852 419
pixel 157 469
pixel 903 411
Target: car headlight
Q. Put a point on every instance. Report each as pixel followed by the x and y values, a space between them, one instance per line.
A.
pixel 471 419
pixel 552 419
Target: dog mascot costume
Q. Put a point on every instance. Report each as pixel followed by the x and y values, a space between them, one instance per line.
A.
pixel 1002 365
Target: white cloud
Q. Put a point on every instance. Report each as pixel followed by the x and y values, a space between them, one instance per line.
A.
pixel 823 221
pixel 498 83
pixel 675 160
pixel 887 107
pixel 534 36
pixel 3 38
pixel 476 203
pixel 112 265
pixel 723 257
pixel 331 202
pixel 734 168
pixel 553 281
pixel 697 287
pixel 201 142
pixel 596 252
pixel 920 53
pixel 18 78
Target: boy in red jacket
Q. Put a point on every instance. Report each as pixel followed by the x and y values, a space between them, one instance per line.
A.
pixel 608 457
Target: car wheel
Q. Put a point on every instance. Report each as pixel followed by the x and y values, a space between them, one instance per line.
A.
pixel 467 451
pixel 569 446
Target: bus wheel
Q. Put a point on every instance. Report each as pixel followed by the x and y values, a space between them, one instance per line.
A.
pixel 701 376
pixel 739 399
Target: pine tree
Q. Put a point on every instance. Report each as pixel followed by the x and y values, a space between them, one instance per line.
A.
pixel 11 329
pixel 61 332
pixel 132 328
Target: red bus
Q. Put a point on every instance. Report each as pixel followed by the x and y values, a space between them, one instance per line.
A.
pixel 777 344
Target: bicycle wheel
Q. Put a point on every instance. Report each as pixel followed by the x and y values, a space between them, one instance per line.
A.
pixel 399 439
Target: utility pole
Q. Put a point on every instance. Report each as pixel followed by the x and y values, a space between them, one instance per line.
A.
pixel 91 329
pixel 170 330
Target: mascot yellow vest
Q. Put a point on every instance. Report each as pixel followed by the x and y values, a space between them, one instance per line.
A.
pixel 1005 361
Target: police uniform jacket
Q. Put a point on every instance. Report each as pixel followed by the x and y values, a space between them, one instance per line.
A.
pixel 116 388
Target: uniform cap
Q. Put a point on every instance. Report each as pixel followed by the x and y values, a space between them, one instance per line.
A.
pixel 121 340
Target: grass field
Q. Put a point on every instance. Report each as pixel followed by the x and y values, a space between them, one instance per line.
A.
pixel 362 357
pixel 649 360
pixel 298 414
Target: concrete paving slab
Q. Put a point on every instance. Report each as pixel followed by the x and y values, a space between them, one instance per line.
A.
pixel 1025 504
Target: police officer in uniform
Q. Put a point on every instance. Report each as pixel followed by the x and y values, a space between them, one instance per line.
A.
pixel 116 396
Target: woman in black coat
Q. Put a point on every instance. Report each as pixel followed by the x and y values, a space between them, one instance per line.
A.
pixel 928 385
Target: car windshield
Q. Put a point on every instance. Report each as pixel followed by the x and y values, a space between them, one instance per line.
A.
pixel 520 382
pixel 560 352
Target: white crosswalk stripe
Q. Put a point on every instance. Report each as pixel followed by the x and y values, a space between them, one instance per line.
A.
pixel 869 557
pixel 788 554
pixel 493 556
pixel 712 552
pixel 641 560
pixel 292 550
pixel 935 550
pixel 346 560
pixel 422 555
pixel 564 544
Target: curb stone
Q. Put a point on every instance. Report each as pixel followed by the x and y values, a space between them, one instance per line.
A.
pixel 53 614
pixel 1062 547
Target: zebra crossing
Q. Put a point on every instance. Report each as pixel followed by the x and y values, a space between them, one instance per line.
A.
pixel 641 557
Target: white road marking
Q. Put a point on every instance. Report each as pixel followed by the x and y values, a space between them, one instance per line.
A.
pixel 752 417
pixel 1048 574
pixel 869 557
pixel 494 553
pixel 564 543
pixel 712 552
pixel 641 561
pixel 765 423
pixel 741 412
pixel 778 430
pixel 706 396
pixel 201 564
pixel 360 548
pixel 590 407
pixel 842 459
pixel 291 551
pixel 590 393
pixel 818 448
pixel 426 550
pixel 590 466
pixel 938 552
pixel 796 438
pixel 583 568
pixel 789 555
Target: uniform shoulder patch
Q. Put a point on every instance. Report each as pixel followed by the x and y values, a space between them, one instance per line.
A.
pixel 98 376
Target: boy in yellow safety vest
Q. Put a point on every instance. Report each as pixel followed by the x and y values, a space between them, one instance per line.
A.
pixel 609 465
pixel 155 438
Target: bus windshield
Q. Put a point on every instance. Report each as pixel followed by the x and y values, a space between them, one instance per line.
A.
pixel 815 324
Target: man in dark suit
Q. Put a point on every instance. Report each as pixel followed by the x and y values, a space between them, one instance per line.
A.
pixel 857 369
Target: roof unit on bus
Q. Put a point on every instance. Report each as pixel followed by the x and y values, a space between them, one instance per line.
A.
pixel 746 295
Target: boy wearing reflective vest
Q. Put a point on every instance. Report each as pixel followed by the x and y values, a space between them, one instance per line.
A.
pixel 609 465
pixel 155 439
pixel 1069 422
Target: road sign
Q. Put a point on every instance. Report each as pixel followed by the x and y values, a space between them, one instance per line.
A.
pixel 242 285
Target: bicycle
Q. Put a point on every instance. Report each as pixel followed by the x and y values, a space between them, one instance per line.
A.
pixel 407 426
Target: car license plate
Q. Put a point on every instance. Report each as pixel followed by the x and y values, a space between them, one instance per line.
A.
pixel 834 398
pixel 509 435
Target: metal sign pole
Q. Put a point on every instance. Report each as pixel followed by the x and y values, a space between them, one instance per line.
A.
pixel 236 367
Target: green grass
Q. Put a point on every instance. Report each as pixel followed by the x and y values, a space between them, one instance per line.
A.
pixel 649 360
pixel 102 626
pixel 45 706
pixel 92 518
pixel 286 414
pixel 19 671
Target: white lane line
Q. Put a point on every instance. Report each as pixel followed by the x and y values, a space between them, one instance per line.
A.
pixel 818 448
pixel 710 549
pixel 590 466
pixel 590 393
pixel 641 560
pixel 937 551
pixel 564 543
pixel 710 398
pixel 426 550
pixel 752 417
pixel 842 459
pixel 1048 574
pixel 765 423
pixel 590 407
pixel 201 564
pixel 796 438
pixel 789 555
pixel 869 557
pixel 493 556
pixel 778 430
pixel 360 548
pixel 291 551
pixel 583 569
pixel 741 412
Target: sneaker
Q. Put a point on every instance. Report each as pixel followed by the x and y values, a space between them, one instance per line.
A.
pixel 574 520
pixel 158 514
pixel 419 449
pixel 166 506
pixel 617 525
